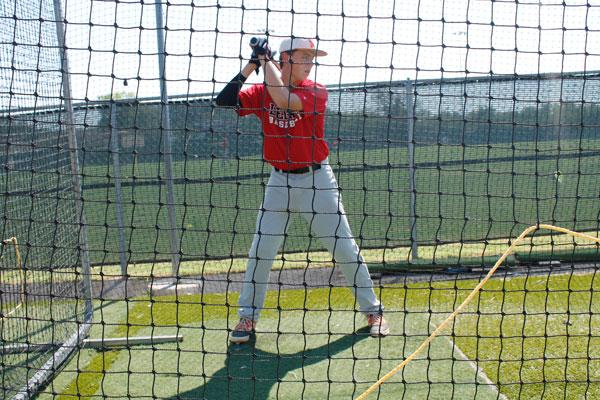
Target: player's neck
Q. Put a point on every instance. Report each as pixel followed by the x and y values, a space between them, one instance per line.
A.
pixel 289 80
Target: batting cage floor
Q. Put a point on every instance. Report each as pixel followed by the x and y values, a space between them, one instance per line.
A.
pixel 316 354
pixel 288 366
pixel 312 344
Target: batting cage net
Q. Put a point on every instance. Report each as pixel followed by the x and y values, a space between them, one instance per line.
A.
pixel 45 302
pixel 137 207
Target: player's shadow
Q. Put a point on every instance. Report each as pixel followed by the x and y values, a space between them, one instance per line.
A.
pixel 250 373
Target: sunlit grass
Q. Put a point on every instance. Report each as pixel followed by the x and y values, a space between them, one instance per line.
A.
pixel 463 194
pixel 464 254
pixel 534 337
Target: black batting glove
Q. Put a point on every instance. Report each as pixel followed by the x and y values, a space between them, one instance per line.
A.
pixel 260 47
pixel 254 60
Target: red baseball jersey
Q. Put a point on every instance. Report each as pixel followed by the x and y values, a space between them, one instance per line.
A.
pixel 292 139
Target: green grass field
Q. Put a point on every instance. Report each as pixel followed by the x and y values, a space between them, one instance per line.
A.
pixel 531 337
pixel 471 201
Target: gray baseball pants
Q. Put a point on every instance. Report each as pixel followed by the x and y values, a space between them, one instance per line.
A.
pixel 315 196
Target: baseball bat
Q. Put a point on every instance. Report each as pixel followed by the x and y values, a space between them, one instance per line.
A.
pixel 255 41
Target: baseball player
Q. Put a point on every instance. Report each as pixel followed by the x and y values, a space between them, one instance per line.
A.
pixel 292 109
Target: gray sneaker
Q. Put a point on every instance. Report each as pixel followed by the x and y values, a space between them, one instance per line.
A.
pixel 378 326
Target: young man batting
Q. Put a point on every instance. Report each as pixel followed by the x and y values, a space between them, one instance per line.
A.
pixel 292 110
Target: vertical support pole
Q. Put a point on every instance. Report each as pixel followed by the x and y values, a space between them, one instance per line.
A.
pixel 74 154
pixel 46 371
pixel 410 113
pixel 166 136
pixel 115 150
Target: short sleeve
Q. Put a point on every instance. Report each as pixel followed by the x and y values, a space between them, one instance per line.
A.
pixel 314 98
pixel 250 100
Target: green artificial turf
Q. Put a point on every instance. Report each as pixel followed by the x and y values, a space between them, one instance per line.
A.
pixel 480 193
pixel 533 337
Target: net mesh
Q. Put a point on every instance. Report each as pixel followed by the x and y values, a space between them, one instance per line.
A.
pixel 451 129
pixel 41 285
pixel 493 155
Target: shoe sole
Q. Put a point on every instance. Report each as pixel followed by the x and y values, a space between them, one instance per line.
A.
pixel 381 333
pixel 242 339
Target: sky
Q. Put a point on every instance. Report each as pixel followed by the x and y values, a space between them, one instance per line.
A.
pixel 381 40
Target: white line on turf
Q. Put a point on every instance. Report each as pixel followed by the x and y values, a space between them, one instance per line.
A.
pixel 480 373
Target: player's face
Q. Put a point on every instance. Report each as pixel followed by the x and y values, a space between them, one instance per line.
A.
pixel 301 64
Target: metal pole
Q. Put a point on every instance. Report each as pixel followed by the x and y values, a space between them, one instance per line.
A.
pixel 411 168
pixel 114 148
pixel 104 343
pixel 67 348
pixel 74 153
pixel 166 135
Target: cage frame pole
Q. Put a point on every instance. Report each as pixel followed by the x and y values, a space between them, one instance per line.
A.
pixel 115 150
pixel 166 136
pixel 63 353
pixel 74 153
pixel 410 114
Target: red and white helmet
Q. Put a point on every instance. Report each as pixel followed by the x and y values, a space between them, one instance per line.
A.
pixel 300 44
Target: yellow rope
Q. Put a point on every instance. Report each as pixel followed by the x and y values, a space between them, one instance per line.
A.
pixel 468 300
pixel 14 242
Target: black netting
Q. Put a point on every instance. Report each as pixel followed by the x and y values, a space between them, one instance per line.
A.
pixel 132 261
pixel 42 295
pixel 470 134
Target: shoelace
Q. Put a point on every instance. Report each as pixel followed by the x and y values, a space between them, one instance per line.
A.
pixel 245 324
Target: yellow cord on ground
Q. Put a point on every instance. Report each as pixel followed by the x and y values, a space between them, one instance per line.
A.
pixel 13 241
pixel 469 298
